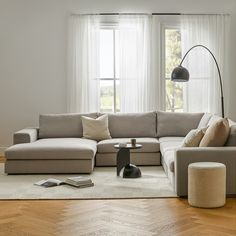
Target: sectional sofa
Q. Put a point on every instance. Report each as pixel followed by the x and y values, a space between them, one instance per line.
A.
pixel 57 145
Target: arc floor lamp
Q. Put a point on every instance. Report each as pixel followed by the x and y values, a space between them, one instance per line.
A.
pixel 181 74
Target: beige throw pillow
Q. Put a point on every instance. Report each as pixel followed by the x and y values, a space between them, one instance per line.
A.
pixel 193 138
pixel 96 129
pixel 217 134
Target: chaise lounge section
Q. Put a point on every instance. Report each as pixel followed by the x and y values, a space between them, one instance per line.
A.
pixel 51 155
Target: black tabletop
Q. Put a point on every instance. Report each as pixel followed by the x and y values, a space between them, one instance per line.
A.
pixel 128 146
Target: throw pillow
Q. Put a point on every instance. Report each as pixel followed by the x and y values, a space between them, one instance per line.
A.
pixel 193 138
pixel 96 129
pixel 217 134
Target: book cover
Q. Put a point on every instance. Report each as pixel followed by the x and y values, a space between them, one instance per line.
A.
pixel 79 182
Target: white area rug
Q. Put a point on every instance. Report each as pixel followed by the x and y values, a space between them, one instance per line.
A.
pixel 153 184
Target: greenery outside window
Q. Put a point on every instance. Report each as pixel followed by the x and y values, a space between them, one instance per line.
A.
pixel 109 72
pixel 173 55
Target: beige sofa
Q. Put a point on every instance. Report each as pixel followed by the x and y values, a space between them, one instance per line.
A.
pixel 57 145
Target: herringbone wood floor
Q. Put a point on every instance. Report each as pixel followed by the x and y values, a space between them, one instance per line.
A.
pixel 165 217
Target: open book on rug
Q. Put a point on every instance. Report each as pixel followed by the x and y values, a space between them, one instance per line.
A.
pixel 79 182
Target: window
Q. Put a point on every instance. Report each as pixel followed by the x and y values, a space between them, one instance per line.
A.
pixel 149 47
pixel 108 67
pixel 172 51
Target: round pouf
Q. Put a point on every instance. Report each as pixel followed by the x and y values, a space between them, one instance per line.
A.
pixel 206 184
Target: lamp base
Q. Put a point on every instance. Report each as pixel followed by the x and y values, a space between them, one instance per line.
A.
pixel 131 171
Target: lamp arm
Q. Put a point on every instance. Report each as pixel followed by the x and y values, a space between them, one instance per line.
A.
pixel 217 65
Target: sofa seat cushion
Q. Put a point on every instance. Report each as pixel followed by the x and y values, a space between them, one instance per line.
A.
pixel 168 145
pixel 171 139
pixel 149 145
pixel 58 148
pixel 169 159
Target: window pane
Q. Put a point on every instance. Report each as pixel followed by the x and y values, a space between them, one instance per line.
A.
pixel 106 53
pixel 172 50
pixel 106 95
pixel 174 91
pixel 174 96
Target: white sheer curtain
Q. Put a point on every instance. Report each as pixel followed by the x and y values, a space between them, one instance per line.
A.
pixel 83 85
pixel 139 63
pixel 139 80
pixel 202 92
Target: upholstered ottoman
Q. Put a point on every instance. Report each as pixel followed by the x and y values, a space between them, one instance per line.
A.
pixel 206 184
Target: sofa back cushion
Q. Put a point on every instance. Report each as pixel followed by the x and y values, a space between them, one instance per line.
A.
pixel 176 124
pixel 132 125
pixel 62 125
pixel 204 120
pixel 231 141
pixel 213 119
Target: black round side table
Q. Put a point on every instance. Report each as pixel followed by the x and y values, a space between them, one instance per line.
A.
pixel 123 160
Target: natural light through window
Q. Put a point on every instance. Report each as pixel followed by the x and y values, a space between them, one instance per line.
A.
pixel 174 91
pixel 109 68
pixel 109 78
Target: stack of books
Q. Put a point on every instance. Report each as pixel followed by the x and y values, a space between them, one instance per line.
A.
pixel 79 182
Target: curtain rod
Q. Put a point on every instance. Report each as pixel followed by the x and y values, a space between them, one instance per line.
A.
pixel 158 14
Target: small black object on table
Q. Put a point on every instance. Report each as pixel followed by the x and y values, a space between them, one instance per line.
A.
pixel 123 160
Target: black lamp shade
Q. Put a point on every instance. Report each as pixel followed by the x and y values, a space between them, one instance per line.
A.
pixel 180 74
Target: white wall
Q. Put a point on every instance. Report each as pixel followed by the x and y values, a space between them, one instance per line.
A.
pixel 232 67
pixel 33 43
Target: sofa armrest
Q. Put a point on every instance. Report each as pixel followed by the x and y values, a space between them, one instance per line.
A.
pixel 27 135
pixel 185 156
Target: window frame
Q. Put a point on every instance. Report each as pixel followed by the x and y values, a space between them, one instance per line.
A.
pixel 172 22
pixel 113 27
